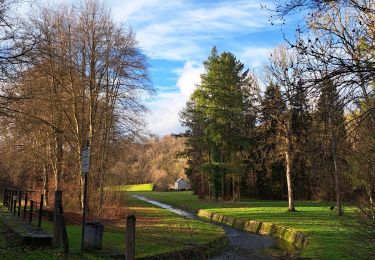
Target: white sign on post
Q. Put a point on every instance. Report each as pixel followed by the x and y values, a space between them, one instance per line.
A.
pixel 85 160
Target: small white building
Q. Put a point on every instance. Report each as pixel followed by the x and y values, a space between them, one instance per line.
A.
pixel 181 184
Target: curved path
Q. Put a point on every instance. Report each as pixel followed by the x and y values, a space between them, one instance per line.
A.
pixel 241 244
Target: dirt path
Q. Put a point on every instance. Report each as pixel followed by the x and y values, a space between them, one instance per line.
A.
pixel 242 244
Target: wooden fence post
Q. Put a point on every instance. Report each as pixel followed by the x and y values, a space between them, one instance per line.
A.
pixel 4 198
pixel 25 206
pixel 40 210
pixel 19 203
pixel 130 237
pixel 9 203
pixel 31 211
pixel 64 234
pixel 11 200
pixel 14 202
pixel 8 196
pixel 56 219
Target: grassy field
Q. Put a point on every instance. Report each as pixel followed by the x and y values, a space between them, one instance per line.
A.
pixel 328 238
pixel 134 187
pixel 158 231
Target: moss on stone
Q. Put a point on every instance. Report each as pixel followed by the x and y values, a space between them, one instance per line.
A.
pixel 266 228
pixel 252 226
pixel 290 236
pixel 239 223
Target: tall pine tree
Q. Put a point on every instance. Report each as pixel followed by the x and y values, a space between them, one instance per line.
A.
pixel 271 168
pixel 223 105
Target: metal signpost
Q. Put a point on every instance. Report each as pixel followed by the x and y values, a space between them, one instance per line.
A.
pixel 85 160
pixel 85 167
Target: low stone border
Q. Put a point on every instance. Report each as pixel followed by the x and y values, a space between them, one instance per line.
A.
pixel 298 240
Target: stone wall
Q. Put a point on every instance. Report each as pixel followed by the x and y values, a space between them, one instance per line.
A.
pixel 289 235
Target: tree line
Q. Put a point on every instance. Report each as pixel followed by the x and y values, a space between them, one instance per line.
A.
pixel 71 77
pixel 304 128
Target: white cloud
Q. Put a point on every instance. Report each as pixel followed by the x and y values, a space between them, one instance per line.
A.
pixel 164 118
pixel 183 29
pixel 126 9
pixel 189 78
pixel 255 56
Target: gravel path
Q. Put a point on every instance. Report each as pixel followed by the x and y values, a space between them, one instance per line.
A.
pixel 241 244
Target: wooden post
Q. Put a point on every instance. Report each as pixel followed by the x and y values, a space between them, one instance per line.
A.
pixel 19 202
pixel 130 237
pixel 11 200
pixel 14 203
pixel 7 198
pixel 85 169
pixel 40 210
pixel 31 211
pixel 4 198
pixel 64 234
pixel 56 219
pixel 84 214
pixel 25 206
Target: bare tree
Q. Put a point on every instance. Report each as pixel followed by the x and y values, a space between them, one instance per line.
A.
pixel 283 70
pixel 84 80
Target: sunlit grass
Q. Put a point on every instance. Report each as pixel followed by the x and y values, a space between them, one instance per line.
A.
pixel 134 187
pixel 158 231
pixel 328 238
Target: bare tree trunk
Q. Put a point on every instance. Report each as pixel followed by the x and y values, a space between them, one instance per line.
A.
pixel 202 184
pixel 334 160
pixel 56 220
pixel 209 191
pixel 45 184
pixel 289 181
pixel 372 205
pixel 337 178
pixel 289 163
pixel 233 188
pixel 370 191
pixel 81 182
pixel 58 155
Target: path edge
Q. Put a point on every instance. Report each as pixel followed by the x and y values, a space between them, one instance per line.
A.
pixel 298 240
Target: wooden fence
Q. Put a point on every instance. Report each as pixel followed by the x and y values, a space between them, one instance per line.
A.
pixel 18 200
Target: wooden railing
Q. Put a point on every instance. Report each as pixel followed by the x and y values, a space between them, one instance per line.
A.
pixel 18 200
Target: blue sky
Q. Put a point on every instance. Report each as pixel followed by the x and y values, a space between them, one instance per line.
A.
pixel 177 36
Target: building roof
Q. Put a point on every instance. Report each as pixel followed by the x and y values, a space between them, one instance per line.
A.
pixel 180 179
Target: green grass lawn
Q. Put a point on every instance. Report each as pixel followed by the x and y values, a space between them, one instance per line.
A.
pixel 327 236
pixel 157 231
pixel 134 187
